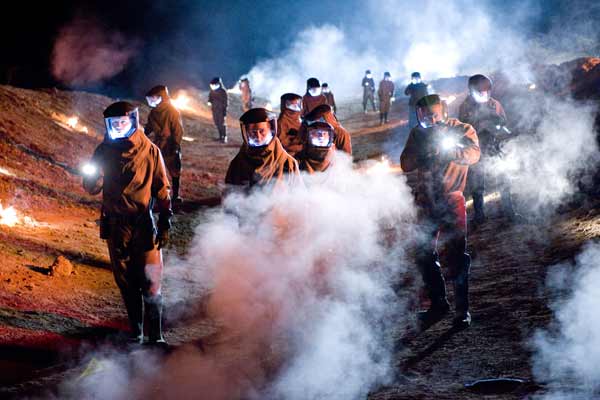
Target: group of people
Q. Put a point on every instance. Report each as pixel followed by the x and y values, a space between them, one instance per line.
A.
pixel 133 175
pixel 385 93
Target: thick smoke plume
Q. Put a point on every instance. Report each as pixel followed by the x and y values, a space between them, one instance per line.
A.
pixel 567 354
pixel 300 289
pixel 439 40
pixel 86 53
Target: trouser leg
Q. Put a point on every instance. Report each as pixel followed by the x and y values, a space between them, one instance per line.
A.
pixel 151 289
pixel 476 181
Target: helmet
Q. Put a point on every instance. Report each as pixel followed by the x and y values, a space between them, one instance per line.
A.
pixel 367 71
pixel 387 74
pixel 312 83
pixel 427 117
pixel 256 116
pixel 216 83
pixel 121 120
pixel 319 134
pixel 289 98
pixel 416 75
pixel 318 113
pixel 480 88
pixel 156 95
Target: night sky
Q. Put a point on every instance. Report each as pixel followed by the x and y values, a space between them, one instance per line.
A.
pixel 187 41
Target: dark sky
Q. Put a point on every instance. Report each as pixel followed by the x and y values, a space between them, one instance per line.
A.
pixel 190 41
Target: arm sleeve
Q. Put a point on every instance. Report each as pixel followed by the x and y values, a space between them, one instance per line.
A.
pixel 407 91
pixel 93 185
pixel 161 186
pixel 462 112
pixel 151 125
pixel 470 153
pixel 408 158
pixel 177 128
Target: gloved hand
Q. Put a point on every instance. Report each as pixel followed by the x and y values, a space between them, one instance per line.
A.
pixel 162 235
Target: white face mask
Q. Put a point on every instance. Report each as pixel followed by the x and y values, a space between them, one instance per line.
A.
pixel 314 91
pixel 214 86
pixel 297 106
pixel 326 90
pixel 255 142
pixel 369 76
pixel 415 80
pixel 387 78
pixel 153 101
pixel 480 97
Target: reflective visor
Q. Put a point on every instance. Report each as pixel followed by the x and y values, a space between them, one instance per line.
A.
pixel 153 101
pixel 320 137
pixel 121 127
pixel 480 97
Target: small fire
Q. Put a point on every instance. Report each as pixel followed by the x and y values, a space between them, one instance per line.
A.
pixel 182 102
pixel 382 167
pixel 6 172
pixel 188 139
pixel 8 216
pixel 71 123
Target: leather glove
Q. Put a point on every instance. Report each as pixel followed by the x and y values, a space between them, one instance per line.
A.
pixel 162 235
pixel 162 238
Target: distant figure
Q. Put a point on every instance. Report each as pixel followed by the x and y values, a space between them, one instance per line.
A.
pixel 330 99
pixel 313 97
pixel 130 172
pixel 165 127
pixel 368 85
pixel 416 90
pixel 218 101
pixel 288 123
pixel 246 94
pixel 386 96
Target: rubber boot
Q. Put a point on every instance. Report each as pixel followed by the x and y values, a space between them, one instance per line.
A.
pixel 133 305
pixel 462 317
pixel 175 197
pixel 153 306
pixel 478 208
pixel 436 291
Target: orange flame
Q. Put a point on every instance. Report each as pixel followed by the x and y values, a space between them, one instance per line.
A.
pixel 8 216
pixel 182 102
pixel 6 172
pixel 70 123
pixel 382 167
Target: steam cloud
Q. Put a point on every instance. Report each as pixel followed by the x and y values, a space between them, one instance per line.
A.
pixel 439 41
pixel 300 286
pixel 568 353
pixel 84 53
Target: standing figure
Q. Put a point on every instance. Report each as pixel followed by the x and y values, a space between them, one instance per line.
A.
pixel 416 90
pixel 129 170
pixel 441 149
pixel 368 85
pixel 246 94
pixel 165 127
pixel 313 97
pixel 288 123
pixel 218 101
pixel 386 96
pixel 330 98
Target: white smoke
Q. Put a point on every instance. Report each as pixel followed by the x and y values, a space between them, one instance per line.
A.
pixel 567 354
pixel 300 287
pixel 438 40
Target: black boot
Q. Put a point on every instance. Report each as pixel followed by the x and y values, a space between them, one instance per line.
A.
pixel 436 291
pixel 380 118
pixel 385 118
pixel 133 305
pixel 478 208
pixel 462 317
pixel 175 198
pixel 153 306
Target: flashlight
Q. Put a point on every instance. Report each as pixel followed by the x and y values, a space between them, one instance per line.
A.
pixel 89 169
pixel 448 143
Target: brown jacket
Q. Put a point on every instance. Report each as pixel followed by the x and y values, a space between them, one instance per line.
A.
pixel 165 127
pixel 312 163
pixel 310 102
pixel 440 175
pixel 385 93
pixel 331 100
pixel 272 165
pixel 288 131
pixel 133 172
pixel 342 138
pixel 480 116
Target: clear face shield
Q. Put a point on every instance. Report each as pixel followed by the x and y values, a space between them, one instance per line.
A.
pixel 316 91
pixel 480 96
pixel 326 90
pixel 153 101
pixel 320 137
pixel 293 105
pixel 415 80
pixel 432 116
pixel 259 134
pixel 122 127
pixel 214 86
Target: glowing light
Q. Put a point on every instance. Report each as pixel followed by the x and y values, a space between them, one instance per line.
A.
pixel 8 216
pixel 269 106
pixel 181 102
pixel 72 122
pixel 89 169
pixel 448 143
pixel 6 172
pixel 532 86
pixel 382 167
pixel 187 139
pixel 450 99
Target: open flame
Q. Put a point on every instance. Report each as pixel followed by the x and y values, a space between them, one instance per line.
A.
pixel 182 102
pixel 384 166
pixel 69 122
pixel 8 216
pixel 6 172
